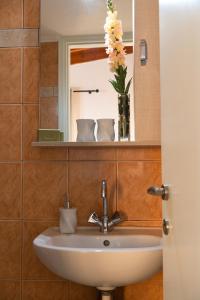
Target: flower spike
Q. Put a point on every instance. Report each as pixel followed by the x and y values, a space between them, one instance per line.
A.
pixel 115 49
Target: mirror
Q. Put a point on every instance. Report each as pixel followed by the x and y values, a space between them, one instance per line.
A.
pixel 74 82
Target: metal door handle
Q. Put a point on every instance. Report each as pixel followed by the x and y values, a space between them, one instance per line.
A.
pixel 166 226
pixel 143 52
pixel 162 191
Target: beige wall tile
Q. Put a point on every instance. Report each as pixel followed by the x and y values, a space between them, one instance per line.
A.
pixel 49 112
pixel 10 250
pixel 80 292
pixel 139 153
pixel 49 64
pixel 144 291
pixel 11 38
pixel 31 69
pixel 44 290
pixel 32 269
pixel 10 75
pixel 133 180
pixel 92 154
pixel 30 127
pixel 10 196
pixel 31 13
pixel 44 187
pixel 10 290
pixel 46 92
pixel 10 132
pixel 85 187
pixel 11 14
pixel 158 277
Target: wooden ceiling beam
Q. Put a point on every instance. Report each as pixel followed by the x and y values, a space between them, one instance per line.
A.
pixel 82 55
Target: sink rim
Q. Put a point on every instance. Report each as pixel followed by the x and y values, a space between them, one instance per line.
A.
pixel 91 231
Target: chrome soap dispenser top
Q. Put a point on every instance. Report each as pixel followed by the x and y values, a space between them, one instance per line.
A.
pixel 104 222
pixel 66 202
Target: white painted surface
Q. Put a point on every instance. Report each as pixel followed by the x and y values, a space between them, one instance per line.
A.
pixel 95 75
pixel 79 17
pixel 180 102
pixel 132 255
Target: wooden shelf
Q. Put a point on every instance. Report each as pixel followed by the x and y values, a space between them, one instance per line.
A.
pixel 95 144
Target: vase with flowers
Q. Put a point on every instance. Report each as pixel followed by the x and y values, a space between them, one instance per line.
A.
pixel 117 56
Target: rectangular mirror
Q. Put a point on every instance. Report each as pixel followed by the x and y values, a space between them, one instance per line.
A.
pixel 75 74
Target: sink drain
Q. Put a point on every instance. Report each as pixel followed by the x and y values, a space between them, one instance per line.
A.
pixel 106 243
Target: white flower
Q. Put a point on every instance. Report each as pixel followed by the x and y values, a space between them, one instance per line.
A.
pixel 112 15
pixel 113 41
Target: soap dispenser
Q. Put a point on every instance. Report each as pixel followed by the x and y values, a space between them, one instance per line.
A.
pixel 68 218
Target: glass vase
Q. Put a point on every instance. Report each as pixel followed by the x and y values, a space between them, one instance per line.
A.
pixel 124 117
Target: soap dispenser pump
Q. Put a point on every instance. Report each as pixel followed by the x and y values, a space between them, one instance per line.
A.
pixel 66 202
pixel 68 217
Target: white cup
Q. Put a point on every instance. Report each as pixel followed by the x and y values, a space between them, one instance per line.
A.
pixel 85 130
pixel 105 130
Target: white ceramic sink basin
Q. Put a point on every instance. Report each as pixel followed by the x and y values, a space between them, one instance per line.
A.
pixel 131 256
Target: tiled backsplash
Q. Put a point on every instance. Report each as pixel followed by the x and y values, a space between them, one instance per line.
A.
pixel 33 181
pixel 49 85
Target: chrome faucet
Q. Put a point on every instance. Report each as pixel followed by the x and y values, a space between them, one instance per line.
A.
pixel 105 223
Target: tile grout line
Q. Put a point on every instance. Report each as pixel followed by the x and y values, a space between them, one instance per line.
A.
pixel 22 246
pixel 21 251
pixel 66 290
pixel 22 154
pixel 18 28
pixel 68 183
pixel 67 174
pixel 22 66
pixel 23 14
pixel 117 185
pixel 39 81
pixel 19 103
pixel 40 220
pixel 116 178
pixel 73 161
pixel 11 104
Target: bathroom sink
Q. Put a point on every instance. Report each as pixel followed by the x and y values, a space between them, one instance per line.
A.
pixel 121 257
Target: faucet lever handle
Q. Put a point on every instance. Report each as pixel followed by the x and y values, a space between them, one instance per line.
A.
pixel 116 215
pixel 94 219
pixel 116 219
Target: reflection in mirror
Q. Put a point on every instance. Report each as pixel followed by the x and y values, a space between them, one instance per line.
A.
pixel 75 74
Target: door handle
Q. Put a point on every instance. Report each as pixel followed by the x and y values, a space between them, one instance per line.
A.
pixel 162 191
pixel 166 226
pixel 143 52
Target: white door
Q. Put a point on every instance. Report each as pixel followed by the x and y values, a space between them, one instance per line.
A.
pixel 180 101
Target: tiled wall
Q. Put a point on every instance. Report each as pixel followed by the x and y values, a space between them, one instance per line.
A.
pixel 49 85
pixel 33 181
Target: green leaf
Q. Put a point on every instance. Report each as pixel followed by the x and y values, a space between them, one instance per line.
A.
pixel 119 83
pixel 120 78
pixel 128 86
pixel 114 84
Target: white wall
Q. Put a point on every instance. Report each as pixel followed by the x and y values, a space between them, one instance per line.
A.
pixel 180 131
pixel 96 75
